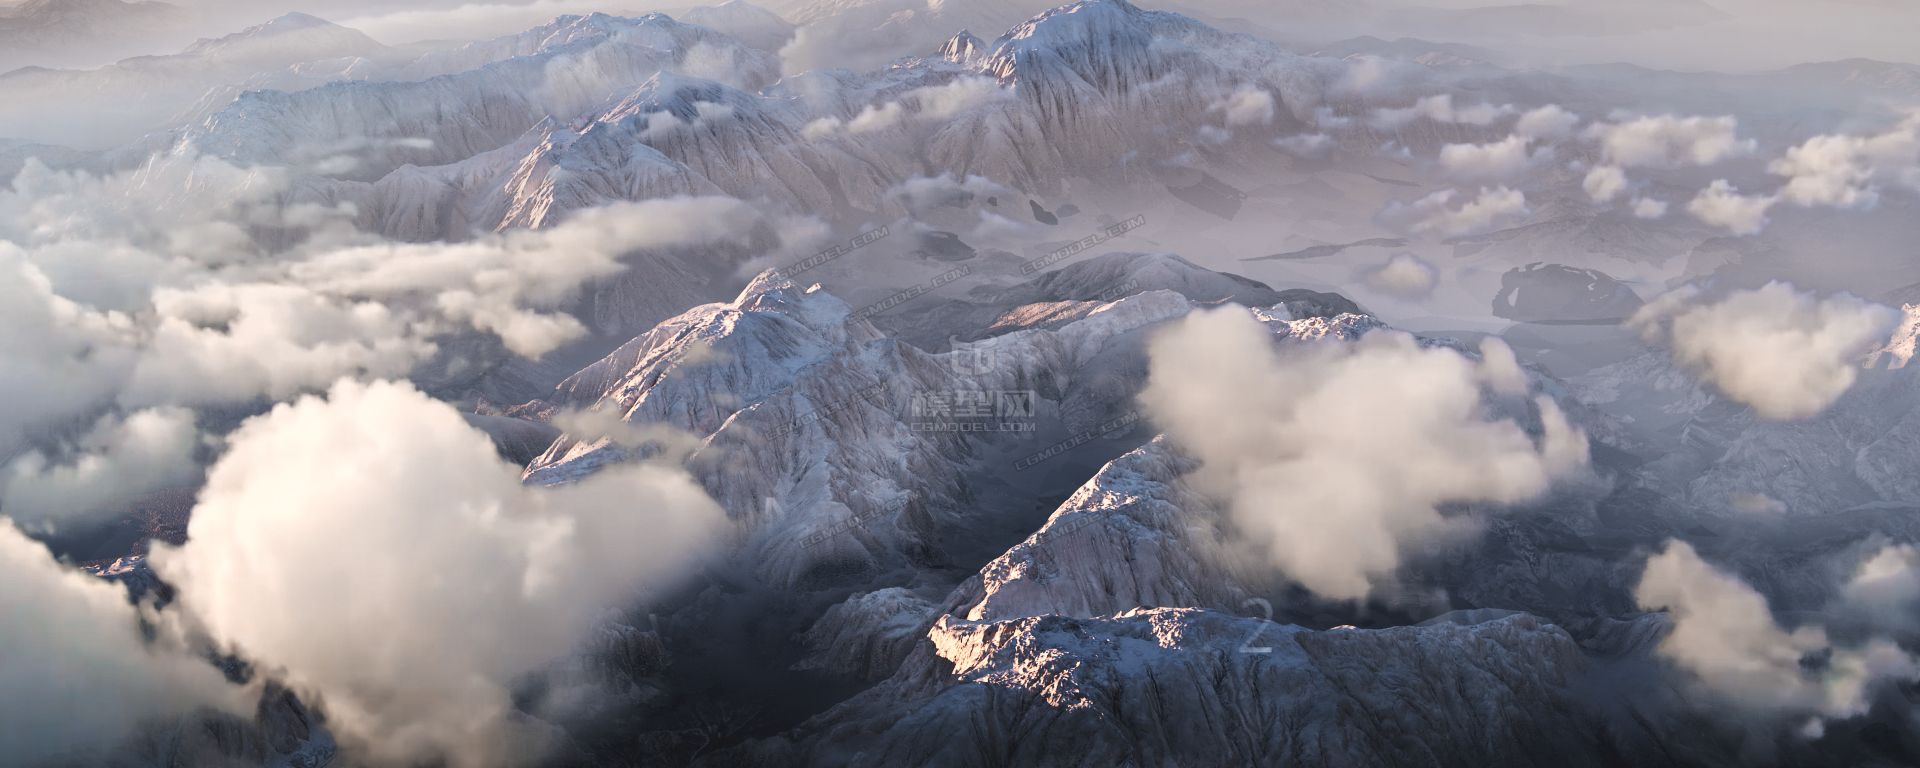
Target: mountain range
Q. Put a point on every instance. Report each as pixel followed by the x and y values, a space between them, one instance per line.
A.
pixel 927 387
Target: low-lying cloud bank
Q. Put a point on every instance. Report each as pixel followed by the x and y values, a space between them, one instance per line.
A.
pixel 189 283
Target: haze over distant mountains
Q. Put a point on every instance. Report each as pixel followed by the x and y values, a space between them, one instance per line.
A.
pixel 66 33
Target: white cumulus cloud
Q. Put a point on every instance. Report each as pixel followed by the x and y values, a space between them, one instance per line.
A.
pixel 1604 183
pixel 1786 353
pixel 927 104
pixel 1722 205
pixel 1548 122
pixel 1336 457
pixel 110 467
pixel 1725 638
pixel 1884 591
pixel 1439 109
pixel 1502 159
pixel 1247 105
pixel 1305 145
pixel 372 551
pixel 1649 208
pixel 1670 141
pixel 63 359
pixel 509 284
pixel 1437 214
pixel 1404 275
pixel 78 674
pixel 1848 171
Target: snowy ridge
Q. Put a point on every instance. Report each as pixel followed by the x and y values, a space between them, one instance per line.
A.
pixel 1174 686
pixel 676 132
pixel 762 340
pixel 1151 271
pixel 963 48
pixel 1058 114
pixel 798 402
pixel 1118 543
pixel 540 190
pixel 1090 367
pixel 592 109
pixel 1899 350
pixel 806 413
pixel 1102 74
pixel 868 636
pixel 575 64
pixel 750 23
pixel 294 36
pixel 1054 299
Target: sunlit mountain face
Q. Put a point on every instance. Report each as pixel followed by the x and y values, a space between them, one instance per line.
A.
pixel 959 383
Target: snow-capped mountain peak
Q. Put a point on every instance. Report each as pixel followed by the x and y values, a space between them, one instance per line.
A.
pixel 294 36
pixel 963 48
